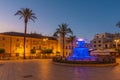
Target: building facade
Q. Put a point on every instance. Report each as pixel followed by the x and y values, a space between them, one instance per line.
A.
pixel 106 41
pixel 12 42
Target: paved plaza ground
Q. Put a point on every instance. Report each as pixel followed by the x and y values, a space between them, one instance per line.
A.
pixel 44 69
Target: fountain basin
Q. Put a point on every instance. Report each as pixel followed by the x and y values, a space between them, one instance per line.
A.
pixel 81 56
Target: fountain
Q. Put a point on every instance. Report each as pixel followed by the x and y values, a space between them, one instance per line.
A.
pixel 80 53
pixel 81 57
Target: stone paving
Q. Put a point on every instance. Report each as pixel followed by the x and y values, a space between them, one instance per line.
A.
pixel 44 69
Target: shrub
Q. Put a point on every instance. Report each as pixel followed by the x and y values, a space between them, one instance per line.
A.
pixel 2 51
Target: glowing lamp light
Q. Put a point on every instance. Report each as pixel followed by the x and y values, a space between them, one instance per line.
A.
pixel 80 39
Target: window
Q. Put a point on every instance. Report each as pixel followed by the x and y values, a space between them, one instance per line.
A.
pixel 113 45
pixel 17 39
pixel 94 45
pixel 3 38
pixel 33 40
pixel 94 41
pixel 106 46
pixel 17 45
pixel 33 47
pixel 40 47
pixel 99 45
pixel 99 41
pixel 102 36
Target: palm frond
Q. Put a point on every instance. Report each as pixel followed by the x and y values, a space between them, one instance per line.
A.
pixel 27 14
pixel 118 24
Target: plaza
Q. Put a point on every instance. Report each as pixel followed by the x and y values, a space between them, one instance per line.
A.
pixel 45 69
pixel 70 40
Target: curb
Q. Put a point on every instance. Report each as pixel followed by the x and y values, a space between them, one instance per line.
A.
pixel 87 65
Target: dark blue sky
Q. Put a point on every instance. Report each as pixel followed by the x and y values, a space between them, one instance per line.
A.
pixel 85 17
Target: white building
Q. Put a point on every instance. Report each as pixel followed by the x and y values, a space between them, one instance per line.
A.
pixel 106 41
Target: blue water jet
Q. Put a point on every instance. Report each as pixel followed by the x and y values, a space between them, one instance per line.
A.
pixel 81 53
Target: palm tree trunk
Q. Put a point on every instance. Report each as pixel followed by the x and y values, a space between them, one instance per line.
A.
pixel 25 39
pixel 10 45
pixel 72 48
pixel 63 45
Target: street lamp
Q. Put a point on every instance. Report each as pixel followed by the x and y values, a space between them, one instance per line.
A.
pixel 116 43
pixel 45 39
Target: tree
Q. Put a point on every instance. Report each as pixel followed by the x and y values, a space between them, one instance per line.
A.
pixel 62 31
pixel 57 53
pixel 47 52
pixel 27 15
pixel 32 51
pixel 71 40
pixel 2 51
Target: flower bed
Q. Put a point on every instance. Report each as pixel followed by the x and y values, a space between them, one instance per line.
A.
pixel 99 60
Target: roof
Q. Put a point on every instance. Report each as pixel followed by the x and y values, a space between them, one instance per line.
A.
pixel 32 35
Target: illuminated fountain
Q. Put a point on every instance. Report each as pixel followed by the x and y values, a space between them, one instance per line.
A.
pixel 82 57
pixel 80 53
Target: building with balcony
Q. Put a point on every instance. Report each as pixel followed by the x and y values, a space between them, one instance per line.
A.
pixel 13 43
pixel 106 41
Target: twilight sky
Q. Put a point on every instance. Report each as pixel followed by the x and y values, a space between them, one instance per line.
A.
pixel 85 17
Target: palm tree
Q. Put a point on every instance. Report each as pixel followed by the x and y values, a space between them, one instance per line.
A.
pixel 62 31
pixel 118 24
pixel 71 40
pixel 27 15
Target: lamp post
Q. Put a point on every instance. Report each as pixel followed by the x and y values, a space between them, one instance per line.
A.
pixel 116 43
pixel 45 39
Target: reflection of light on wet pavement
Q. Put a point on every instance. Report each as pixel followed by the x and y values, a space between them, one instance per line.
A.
pixel 44 69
